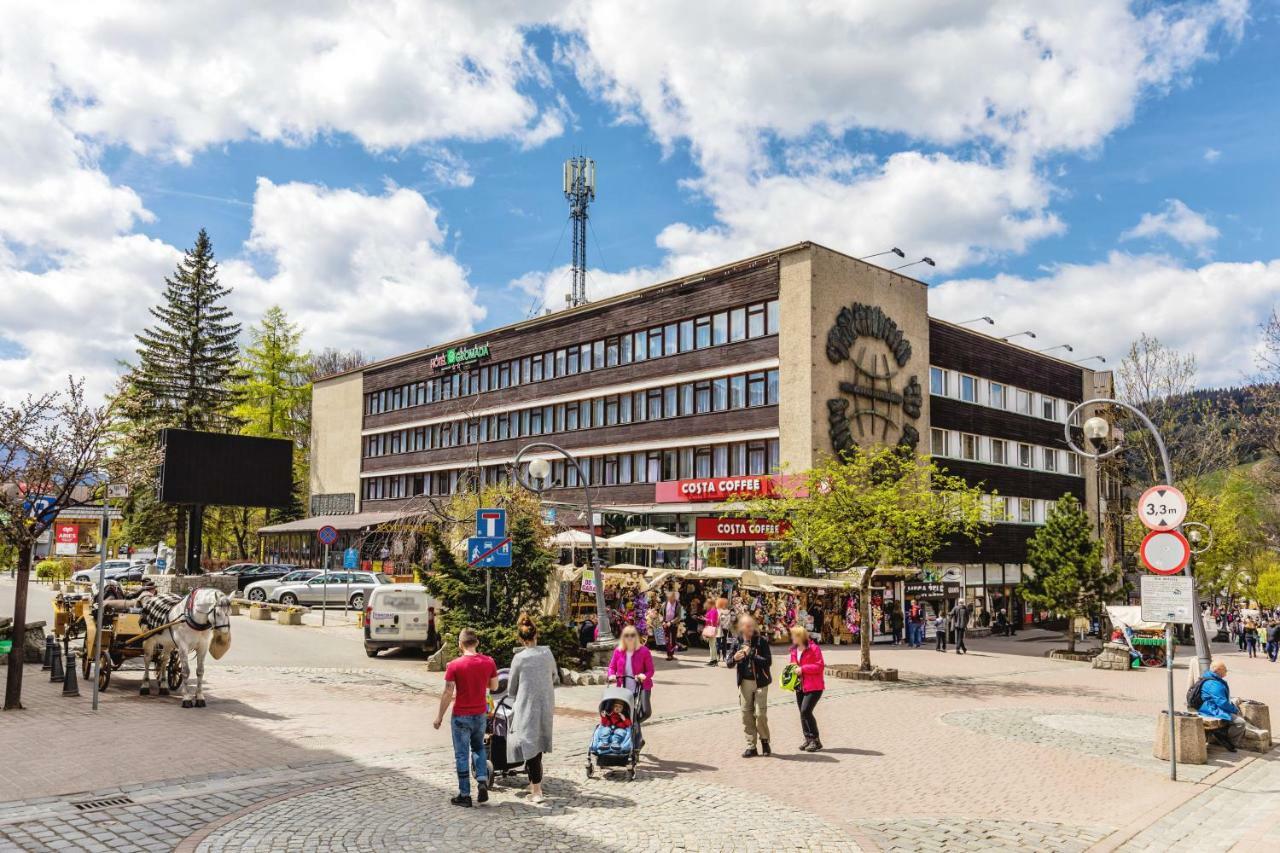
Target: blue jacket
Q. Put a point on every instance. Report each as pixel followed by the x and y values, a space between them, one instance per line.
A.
pixel 1216 698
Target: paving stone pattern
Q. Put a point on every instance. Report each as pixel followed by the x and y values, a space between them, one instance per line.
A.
pixel 957 834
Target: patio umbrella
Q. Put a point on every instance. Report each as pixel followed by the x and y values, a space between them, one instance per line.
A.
pixel 653 539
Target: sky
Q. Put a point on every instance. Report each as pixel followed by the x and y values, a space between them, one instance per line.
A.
pixel 390 172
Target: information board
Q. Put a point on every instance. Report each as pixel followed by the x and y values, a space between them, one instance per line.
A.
pixel 1167 598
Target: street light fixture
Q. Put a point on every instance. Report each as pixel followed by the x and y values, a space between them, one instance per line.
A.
pixel 537 480
pixel 1028 333
pixel 1101 358
pixel 983 319
pixel 1096 429
pixel 924 260
pixel 894 251
pixel 1067 347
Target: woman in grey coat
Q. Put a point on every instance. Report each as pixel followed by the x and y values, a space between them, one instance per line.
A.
pixel 531 686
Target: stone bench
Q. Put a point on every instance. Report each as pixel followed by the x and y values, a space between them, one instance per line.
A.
pixel 1190 730
pixel 33 644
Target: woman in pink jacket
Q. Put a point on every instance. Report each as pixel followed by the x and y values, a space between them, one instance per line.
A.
pixel 631 658
pixel 806 654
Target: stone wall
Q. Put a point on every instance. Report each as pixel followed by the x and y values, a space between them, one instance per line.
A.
pixel 183 584
pixel 1113 656
pixel 34 645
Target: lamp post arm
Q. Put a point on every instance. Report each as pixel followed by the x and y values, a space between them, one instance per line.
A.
pixel 602 614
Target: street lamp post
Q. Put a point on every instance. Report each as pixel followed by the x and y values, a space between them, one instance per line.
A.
pixel 536 481
pixel 1096 429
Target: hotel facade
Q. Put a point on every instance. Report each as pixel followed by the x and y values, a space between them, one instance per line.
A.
pixel 678 394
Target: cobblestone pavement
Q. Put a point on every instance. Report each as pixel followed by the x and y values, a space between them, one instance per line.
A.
pixel 958 834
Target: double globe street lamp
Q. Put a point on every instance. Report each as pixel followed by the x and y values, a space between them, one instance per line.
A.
pixel 1097 430
pixel 537 479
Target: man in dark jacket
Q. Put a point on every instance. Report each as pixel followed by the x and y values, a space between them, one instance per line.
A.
pixel 749 654
pixel 959 622
pixel 1273 640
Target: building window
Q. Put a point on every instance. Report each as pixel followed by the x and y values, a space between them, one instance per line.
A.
pixel 1023 402
pixel 671 339
pixel 773 387
pixel 757 460
pixel 655 343
pixel 720 328
pixel 702 332
pixel 686 336
pixel 968 389
pixel 1026 511
pixel 755 321
pixel 969 447
pixel 1048 408
pixel 996 395
pixel 738 392
pixel 738 324
pixel 756 389
pixel 1073 464
pixel 999 452
pixel 937 381
pixel 1050 459
pixel 938 442
pixel 772 316
pixel 1026 456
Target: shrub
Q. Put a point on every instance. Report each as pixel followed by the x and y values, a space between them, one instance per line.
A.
pixel 500 642
pixel 53 570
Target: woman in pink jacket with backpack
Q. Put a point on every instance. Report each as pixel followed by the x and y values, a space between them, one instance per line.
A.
pixel 806 654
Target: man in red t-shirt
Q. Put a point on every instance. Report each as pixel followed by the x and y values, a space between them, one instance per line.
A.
pixel 467 678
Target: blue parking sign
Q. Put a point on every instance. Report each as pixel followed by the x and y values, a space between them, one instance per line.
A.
pixel 489 551
pixel 351 558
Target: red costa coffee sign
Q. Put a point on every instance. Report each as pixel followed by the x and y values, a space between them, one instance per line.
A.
pixel 713 489
pixel 740 529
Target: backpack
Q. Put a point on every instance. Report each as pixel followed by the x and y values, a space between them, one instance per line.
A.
pixel 1195 694
pixel 791 677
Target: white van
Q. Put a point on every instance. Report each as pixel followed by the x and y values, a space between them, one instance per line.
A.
pixel 396 615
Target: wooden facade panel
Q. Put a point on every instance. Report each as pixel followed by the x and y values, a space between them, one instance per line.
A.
pixel 1015 482
pixel 725 355
pixel 759 417
pixel 946 413
pixel 1006 544
pixel 603 498
pixel 980 355
pixel 674 302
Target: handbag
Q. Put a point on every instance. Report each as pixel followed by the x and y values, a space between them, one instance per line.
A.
pixel 708 632
pixel 790 677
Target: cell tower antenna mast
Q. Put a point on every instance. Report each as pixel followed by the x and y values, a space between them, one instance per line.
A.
pixel 579 191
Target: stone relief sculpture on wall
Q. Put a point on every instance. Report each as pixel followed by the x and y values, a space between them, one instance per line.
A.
pixel 873 405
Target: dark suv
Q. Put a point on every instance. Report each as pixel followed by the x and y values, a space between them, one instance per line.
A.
pixel 264 572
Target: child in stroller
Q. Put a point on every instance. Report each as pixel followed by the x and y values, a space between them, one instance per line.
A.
pixel 616 741
pixel 497 726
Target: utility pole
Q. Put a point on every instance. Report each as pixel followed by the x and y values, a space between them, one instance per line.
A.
pixel 579 191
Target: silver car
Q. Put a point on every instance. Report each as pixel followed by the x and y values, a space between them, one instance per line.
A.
pixel 259 590
pixel 334 588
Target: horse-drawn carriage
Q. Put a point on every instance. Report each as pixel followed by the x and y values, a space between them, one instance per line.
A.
pixel 123 639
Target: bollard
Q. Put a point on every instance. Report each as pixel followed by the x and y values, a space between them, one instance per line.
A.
pixel 71 684
pixel 50 649
pixel 55 670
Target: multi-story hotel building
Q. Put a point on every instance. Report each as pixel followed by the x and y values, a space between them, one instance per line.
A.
pixel 677 394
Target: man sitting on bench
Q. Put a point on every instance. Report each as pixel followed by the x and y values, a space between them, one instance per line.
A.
pixel 1216 704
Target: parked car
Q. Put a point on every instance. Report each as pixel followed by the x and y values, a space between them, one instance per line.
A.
pixel 333 588
pixel 115 570
pixel 237 569
pixel 258 590
pixel 396 615
pixel 264 572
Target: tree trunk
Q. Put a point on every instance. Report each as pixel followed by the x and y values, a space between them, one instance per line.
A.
pixel 1071 635
pixel 180 542
pixel 13 683
pixel 865 629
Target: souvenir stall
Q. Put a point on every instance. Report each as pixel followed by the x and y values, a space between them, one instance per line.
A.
pixel 625 597
pixel 575 545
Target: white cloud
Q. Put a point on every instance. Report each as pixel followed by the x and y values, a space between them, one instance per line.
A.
pixel 1213 311
pixel 1212 155
pixel 1177 222
pixel 353 270
pixel 176 78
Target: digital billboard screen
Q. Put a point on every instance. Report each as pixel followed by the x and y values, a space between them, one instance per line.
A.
pixel 216 469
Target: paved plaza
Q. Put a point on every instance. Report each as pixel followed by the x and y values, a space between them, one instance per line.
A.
pixel 307 745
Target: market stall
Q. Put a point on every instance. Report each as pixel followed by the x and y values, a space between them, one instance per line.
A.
pixel 1145 639
pixel 656 545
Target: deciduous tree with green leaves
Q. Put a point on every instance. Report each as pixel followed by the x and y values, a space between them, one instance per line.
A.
pixel 873 509
pixel 1066 563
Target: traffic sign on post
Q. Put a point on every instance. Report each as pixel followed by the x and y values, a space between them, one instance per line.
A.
pixel 327 534
pixel 1162 507
pixel 489 552
pixel 1167 599
pixel 491 522
pixel 1165 552
pixel 351 558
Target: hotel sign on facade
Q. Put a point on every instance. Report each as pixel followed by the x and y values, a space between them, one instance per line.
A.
pixel 459 356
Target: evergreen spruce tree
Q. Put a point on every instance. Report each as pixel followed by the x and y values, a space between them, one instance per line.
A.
pixel 186 360
pixel 1066 561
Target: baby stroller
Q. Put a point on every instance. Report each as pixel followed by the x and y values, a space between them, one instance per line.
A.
pixel 496 727
pixel 624 751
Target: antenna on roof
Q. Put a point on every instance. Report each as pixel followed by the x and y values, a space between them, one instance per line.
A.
pixel 579 191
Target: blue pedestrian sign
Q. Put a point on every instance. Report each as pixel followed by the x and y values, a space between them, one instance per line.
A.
pixel 491 522
pixel 44 509
pixel 492 552
pixel 351 558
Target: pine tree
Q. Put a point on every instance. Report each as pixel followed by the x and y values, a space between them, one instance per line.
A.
pixel 185 361
pixel 1066 563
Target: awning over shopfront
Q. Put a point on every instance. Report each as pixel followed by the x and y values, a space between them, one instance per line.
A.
pixel 346 522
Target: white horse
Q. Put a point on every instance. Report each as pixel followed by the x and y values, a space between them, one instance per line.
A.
pixel 202 624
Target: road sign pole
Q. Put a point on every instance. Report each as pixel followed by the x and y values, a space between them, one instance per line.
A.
pixel 1173 726
pixel 487 608
pixel 102 583
pixel 324 591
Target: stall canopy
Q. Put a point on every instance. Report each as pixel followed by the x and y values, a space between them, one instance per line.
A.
pixel 574 539
pixel 744 577
pixel 650 539
pixel 1131 616
pixel 349 521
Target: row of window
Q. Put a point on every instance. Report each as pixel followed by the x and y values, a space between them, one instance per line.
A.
pixel 742 391
pixel 737 324
pixel 1003 509
pixel 999 451
pixel 998 395
pixel 607 469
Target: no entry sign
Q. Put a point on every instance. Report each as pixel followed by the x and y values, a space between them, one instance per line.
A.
pixel 1162 508
pixel 1165 552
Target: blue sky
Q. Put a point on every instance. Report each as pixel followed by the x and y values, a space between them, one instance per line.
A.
pixel 390 174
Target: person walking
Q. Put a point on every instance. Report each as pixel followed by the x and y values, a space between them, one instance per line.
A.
pixel 465 679
pixel 806 655
pixel 531 685
pixel 895 623
pixel 1251 637
pixel 939 632
pixel 749 653
pixel 631 659
pixel 959 623
pixel 671 616
pixel 1273 641
pixel 711 632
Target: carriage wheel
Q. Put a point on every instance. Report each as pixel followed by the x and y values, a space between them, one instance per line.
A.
pixel 104 672
pixel 173 674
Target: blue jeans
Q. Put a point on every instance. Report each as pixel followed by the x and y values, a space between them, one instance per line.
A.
pixel 468 737
pixel 1272 650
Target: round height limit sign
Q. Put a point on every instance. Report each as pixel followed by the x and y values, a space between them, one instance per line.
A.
pixel 1162 508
